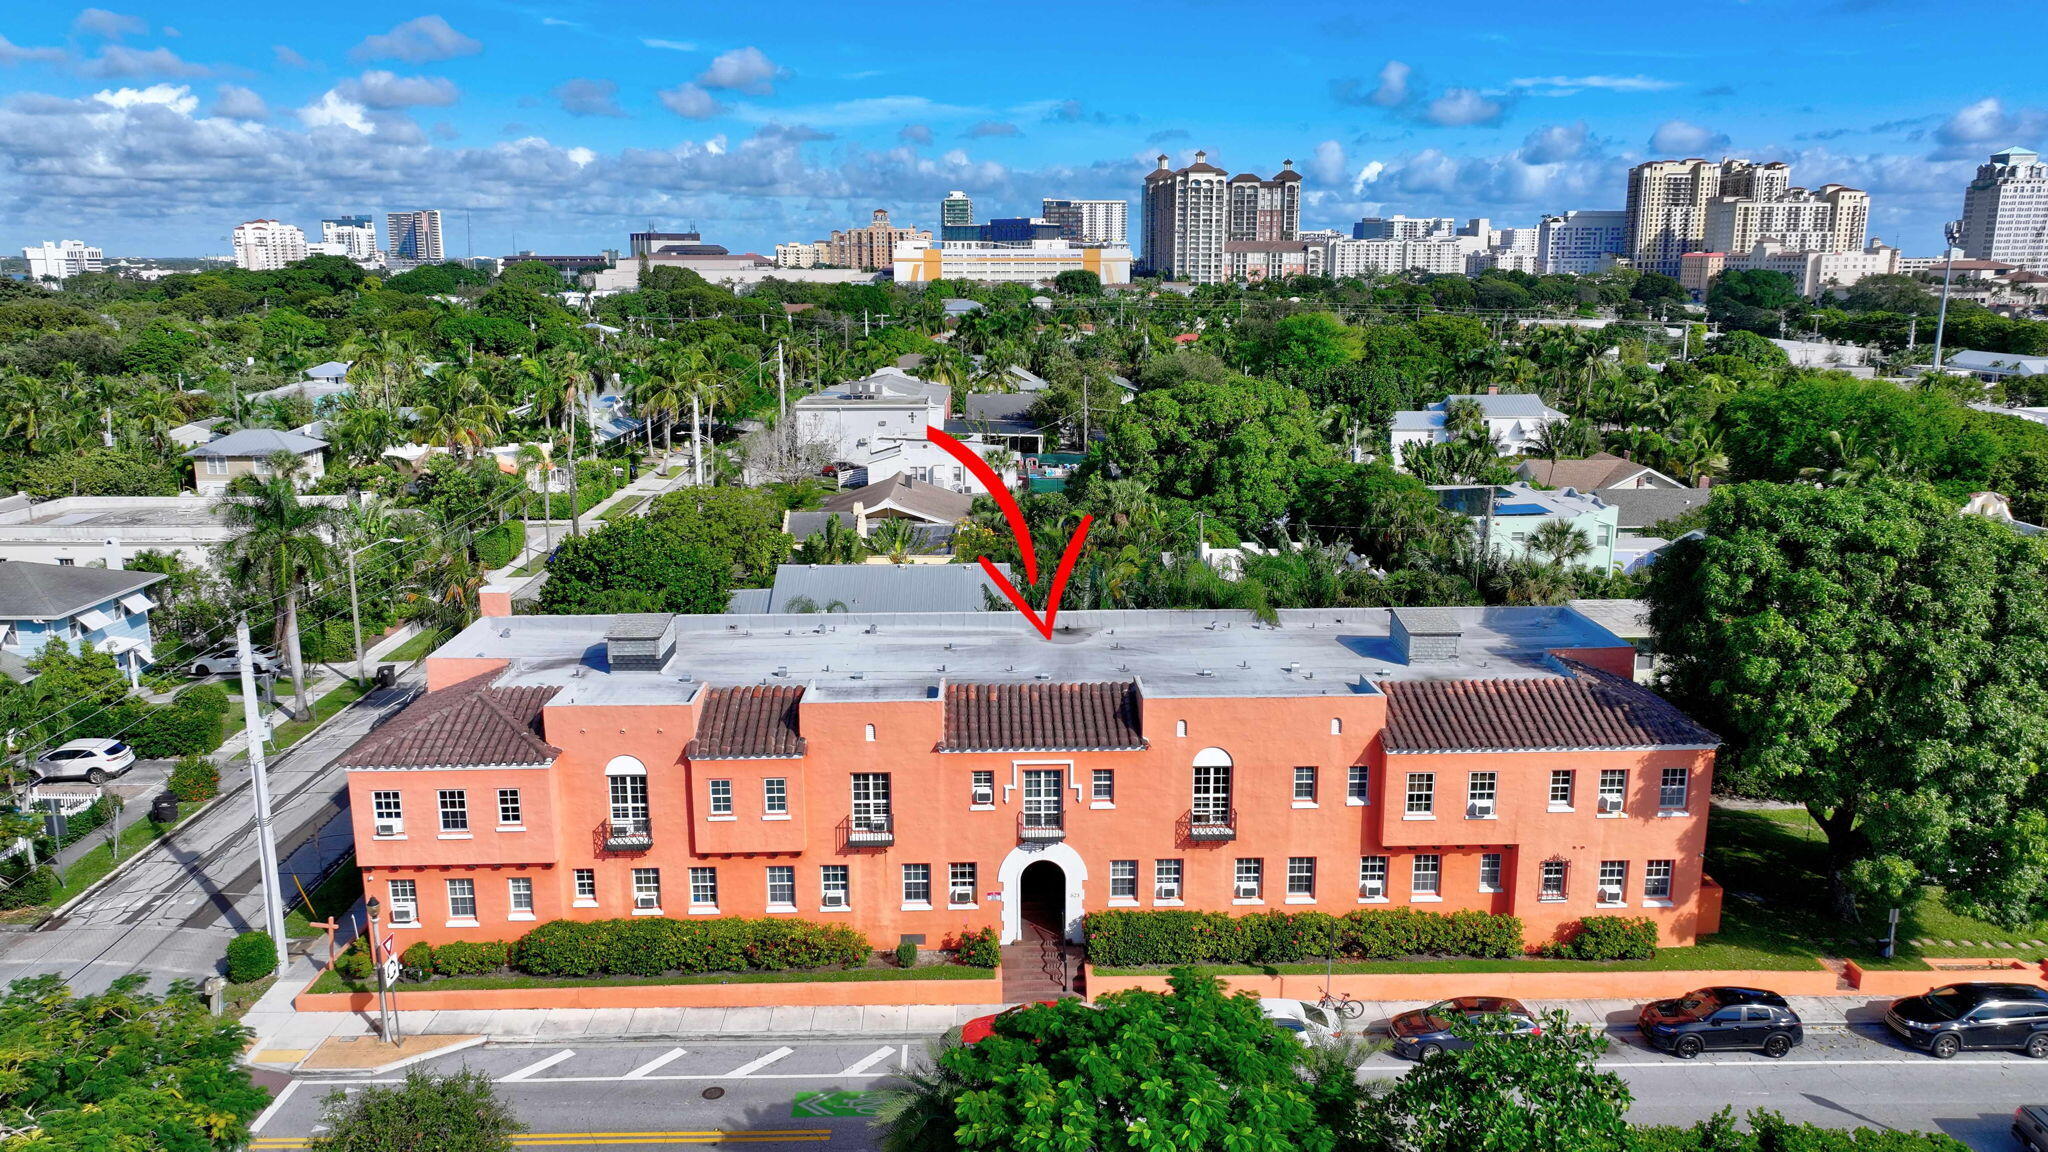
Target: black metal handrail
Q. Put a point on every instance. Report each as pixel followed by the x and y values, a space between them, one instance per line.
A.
pixel 625 834
pixel 870 829
pixel 1210 824
pixel 1042 825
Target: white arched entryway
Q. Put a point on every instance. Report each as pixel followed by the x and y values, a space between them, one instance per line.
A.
pixel 1011 876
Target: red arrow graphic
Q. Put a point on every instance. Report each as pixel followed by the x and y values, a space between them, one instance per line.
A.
pixel 1022 531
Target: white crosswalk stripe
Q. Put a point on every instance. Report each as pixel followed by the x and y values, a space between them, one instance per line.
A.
pixel 870 1060
pixel 753 1066
pixel 654 1065
pixel 540 1065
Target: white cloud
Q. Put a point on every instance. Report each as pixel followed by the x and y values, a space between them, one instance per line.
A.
pixel 12 54
pixel 120 61
pixel 178 98
pixel 587 97
pixel 380 89
pixel 581 157
pixel 1463 107
pixel 854 113
pixel 1566 85
pixel 107 25
pixel 417 41
pixel 1988 124
pixel 238 103
pixel 668 45
pixel 1328 164
pixel 691 102
pixel 1555 144
pixel 915 134
pixel 336 111
pixel 1368 173
pixel 1393 87
pixel 745 70
pixel 1681 138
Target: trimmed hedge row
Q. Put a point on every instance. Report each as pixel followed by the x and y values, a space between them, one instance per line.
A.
pixel 191 723
pixel 1607 938
pixel 1133 938
pixel 500 544
pixel 652 945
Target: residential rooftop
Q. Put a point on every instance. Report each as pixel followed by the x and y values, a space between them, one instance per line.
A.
pixel 911 656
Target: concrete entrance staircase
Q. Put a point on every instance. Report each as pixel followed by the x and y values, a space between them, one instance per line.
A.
pixel 1041 966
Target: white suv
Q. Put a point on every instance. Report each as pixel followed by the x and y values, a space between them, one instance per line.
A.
pixel 224 660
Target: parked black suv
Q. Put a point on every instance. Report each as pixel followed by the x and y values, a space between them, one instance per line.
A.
pixel 1948 1019
pixel 1720 1019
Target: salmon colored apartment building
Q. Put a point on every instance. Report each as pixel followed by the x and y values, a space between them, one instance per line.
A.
pixel 920 774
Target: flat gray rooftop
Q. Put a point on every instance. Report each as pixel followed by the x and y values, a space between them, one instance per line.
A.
pixel 907 656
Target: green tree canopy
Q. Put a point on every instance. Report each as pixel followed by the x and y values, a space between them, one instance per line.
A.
pixel 455 1113
pixel 636 564
pixel 1874 656
pixel 1509 1093
pixel 743 523
pixel 1140 1071
pixel 122 1071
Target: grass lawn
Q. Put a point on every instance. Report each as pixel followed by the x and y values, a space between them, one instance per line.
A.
pixel 89 868
pixel 532 567
pixel 331 898
pixel 329 981
pixel 416 648
pixel 292 731
pixel 1774 865
pixel 623 508
pixel 237 999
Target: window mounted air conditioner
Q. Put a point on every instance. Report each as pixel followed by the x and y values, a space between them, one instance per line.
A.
pixel 404 914
pixel 1166 892
pixel 1479 810
pixel 390 827
pixel 1610 895
pixel 1610 804
pixel 961 896
pixel 835 900
pixel 985 795
pixel 1373 889
pixel 646 900
pixel 1247 891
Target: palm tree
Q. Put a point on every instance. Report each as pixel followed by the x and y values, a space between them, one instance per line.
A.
pixel 533 460
pixel 280 548
pixel 835 544
pixel 895 538
pixel 1560 542
pixel 920 1117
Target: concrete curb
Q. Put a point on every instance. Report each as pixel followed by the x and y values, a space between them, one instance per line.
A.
pixel 395 1065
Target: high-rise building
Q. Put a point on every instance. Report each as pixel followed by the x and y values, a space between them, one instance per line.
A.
pixel 1191 213
pixel 267 245
pixel 1402 227
pixel 357 236
pixel 955 211
pixel 1265 209
pixel 53 261
pixel 1089 221
pixel 799 254
pixel 1694 205
pixel 414 238
pixel 872 248
pixel 1581 243
pixel 1184 210
pixel 2005 211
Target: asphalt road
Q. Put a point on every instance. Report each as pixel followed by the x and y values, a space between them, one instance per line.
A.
pixel 172 912
pixel 807 1093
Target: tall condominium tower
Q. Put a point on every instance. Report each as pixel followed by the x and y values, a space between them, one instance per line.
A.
pixel 414 237
pixel 2005 211
pixel 1093 222
pixel 1190 213
pixel 356 234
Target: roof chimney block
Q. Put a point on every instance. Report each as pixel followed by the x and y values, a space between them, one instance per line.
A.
pixel 1426 635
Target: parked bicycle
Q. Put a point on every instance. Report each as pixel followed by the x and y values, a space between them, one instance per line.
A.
pixel 1341 1004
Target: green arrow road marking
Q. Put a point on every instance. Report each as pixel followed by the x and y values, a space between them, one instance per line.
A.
pixel 838 1103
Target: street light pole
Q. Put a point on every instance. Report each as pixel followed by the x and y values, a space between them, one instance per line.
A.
pixel 259 790
pixel 1951 235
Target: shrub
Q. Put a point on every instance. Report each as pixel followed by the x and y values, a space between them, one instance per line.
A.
pixel 94 816
pixel 500 545
pixel 354 962
pixel 1607 938
pixel 906 954
pixel 26 889
pixel 1138 938
pixel 651 946
pixel 467 958
pixel 251 956
pixel 977 949
pixel 195 780
pixel 189 724
pixel 419 957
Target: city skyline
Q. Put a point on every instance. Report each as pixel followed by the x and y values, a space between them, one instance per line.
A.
pixel 559 129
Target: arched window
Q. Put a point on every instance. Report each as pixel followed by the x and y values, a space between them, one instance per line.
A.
pixel 871 733
pixel 625 766
pixel 1212 788
pixel 1336 726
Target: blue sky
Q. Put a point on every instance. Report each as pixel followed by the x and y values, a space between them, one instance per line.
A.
pixel 153 128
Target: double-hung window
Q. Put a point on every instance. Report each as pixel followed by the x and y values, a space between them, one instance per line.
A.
pixel 982 791
pixel 1613 790
pixel 1102 786
pixel 1166 880
pixel 1551 885
pixel 1657 880
pixel 520 893
pixel 1672 789
pixel 405 901
pixel 646 889
pixel 1357 784
pixel 1426 876
pixel 454 810
pixel 1250 882
pixel 833 885
pixel 1123 880
pixel 1421 793
pixel 1481 793
pixel 704 887
pixel 510 811
pixel 1489 871
pixel 962 881
pixel 721 797
pixel 1372 877
pixel 388 813
pixel 1304 785
pixel 782 885
pixel 462 900
pixel 775 796
pixel 586 885
pixel 1561 780
pixel 1613 882
pixel 1301 876
pixel 917 884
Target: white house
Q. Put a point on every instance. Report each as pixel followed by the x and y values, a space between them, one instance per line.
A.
pixel 1514 420
pixel 874 429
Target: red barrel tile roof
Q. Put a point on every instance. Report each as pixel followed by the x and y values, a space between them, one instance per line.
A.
pixel 752 722
pixel 470 724
pixel 1585 708
pixel 1042 717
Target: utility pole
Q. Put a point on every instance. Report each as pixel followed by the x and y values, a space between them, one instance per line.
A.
pixel 1951 233
pixel 781 385
pixel 259 789
pixel 697 433
pixel 575 520
pixel 1084 413
pixel 107 436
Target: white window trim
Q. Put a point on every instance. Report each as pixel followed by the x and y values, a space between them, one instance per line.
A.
pixel 646 911
pixel 1356 801
pixel 1375 900
pixel 454 836
pixel 412 923
pixel 917 905
pixel 771 816
pixel 1301 899
pixel 1556 807
pixel 1307 804
pixel 952 907
pixel 1240 900
pixel 703 909
pixel 1610 815
pixel 1650 902
pixel 1100 804
pixel 722 819
pixel 841 910
pixel 1156 903
pixel 518 915
pixel 460 924
pixel 1418 815
pixel 511 827
pixel 400 836
pixel 781 908
pixel 1610 904
pixel 1123 901
pixel 981 807
pixel 1669 813
pixel 583 902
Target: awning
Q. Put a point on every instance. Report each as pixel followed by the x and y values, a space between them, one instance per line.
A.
pixel 92 619
pixel 122 645
pixel 137 602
